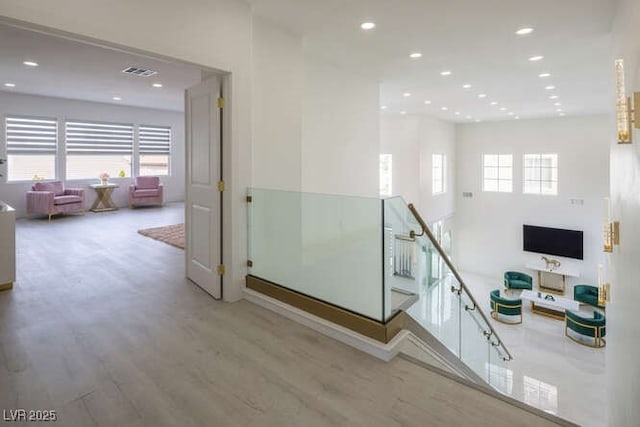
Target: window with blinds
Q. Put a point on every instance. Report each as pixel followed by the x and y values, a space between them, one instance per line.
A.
pixel 94 148
pixel 155 149
pixel 31 148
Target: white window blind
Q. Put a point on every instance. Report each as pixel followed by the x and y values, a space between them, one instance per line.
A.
pixel 26 136
pixel 155 140
pixel 86 138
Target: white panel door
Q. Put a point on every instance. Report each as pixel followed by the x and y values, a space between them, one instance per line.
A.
pixel 203 208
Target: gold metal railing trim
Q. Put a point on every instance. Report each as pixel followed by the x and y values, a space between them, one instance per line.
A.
pixel 443 254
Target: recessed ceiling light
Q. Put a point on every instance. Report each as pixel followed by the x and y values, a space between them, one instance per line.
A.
pixel 550 87
pixel 468 117
pixel 494 103
pixel 157 85
pixel 559 110
pixel 553 97
pixel 415 55
pixel 403 112
pixel 384 107
pixel 558 104
pixel 30 63
pixel 562 114
pixel 457 113
pixel 536 58
pixel 10 84
pixel 511 113
pixel 516 118
pixel 445 73
pixel 427 102
pixel 368 25
pixel 482 95
pixel 117 98
pixel 444 108
pixel 503 108
pixel 466 86
pixel 406 94
pixel 478 120
pixel 524 31
pixel 543 75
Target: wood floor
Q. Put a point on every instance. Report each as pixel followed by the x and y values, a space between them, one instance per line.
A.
pixel 102 327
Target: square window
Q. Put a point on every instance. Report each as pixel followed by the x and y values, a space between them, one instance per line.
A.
pixel 541 174
pixel 497 173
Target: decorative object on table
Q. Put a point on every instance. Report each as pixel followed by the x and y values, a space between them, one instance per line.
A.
pixel 550 262
pixel 104 178
pixel 549 298
pixel 517 280
pixel 145 191
pixel 507 307
pixel 626 114
pixel 593 327
pixel 52 198
pixel 170 234
pixel 122 173
pixel 611 228
pixel 103 200
pixel 37 177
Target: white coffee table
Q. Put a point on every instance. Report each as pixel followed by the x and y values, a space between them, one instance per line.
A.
pixel 548 304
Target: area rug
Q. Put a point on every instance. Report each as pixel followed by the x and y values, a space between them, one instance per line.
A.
pixel 170 234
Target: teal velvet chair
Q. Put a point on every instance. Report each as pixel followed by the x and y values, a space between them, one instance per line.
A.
pixel 594 327
pixel 517 280
pixel 507 307
pixel 587 294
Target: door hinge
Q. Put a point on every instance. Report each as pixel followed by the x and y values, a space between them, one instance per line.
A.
pixel 249 199
pixel 220 269
pixel 221 102
pixel 220 185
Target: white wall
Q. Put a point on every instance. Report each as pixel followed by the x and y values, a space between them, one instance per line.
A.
pixel 277 107
pixel 340 131
pixel 63 109
pixel 488 238
pixel 412 140
pixel 623 333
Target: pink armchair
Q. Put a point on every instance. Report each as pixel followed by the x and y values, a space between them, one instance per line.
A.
pixel 145 190
pixel 52 198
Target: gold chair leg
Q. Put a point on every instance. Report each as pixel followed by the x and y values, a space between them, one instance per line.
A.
pixel 49 218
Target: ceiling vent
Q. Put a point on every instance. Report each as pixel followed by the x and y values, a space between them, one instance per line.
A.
pixel 142 72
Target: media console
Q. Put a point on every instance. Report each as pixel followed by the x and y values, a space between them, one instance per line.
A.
pixel 553 279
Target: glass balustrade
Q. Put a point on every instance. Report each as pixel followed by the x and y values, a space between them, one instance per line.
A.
pixel 371 257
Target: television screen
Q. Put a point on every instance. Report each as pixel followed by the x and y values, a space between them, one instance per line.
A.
pixel 552 241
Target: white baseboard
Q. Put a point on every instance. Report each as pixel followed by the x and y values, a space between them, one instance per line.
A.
pixel 346 336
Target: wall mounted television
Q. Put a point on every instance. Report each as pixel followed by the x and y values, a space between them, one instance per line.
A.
pixel 553 241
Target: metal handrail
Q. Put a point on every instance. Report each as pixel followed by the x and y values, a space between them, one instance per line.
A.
pixel 445 257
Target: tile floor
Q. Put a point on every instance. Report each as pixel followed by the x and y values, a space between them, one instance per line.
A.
pixel 549 371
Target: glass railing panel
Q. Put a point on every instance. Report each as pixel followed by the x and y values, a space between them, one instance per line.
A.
pixel 328 247
pixel 500 375
pixel 403 257
pixel 474 342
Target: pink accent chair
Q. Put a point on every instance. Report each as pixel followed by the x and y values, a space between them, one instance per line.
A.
pixel 145 190
pixel 52 198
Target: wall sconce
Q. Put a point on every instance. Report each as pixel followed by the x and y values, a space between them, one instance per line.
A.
pixel 625 113
pixel 604 289
pixel 611 229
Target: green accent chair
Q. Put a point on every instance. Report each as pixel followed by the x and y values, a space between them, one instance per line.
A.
pixel 517 280
pixel 594 327
pixel 507 307
pixel 587 294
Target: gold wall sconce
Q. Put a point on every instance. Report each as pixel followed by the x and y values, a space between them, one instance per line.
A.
pixel 611 229
pixel 604 289
pixel 626 114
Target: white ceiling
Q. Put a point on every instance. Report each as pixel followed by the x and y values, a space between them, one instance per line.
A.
pixel 69 69
pixel 475 40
